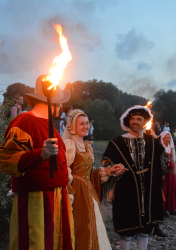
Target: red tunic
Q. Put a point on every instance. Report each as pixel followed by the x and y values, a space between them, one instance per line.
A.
pixel 37 170
pixel 37 214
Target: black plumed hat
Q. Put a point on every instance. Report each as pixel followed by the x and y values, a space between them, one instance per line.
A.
pixel 136 110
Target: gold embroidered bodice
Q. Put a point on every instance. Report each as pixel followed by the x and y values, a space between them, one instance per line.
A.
pixel 83 164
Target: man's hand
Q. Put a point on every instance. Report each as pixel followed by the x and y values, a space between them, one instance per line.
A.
pixel 49 148
pixel 118 169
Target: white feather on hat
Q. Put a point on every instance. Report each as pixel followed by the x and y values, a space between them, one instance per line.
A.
pixel 124 127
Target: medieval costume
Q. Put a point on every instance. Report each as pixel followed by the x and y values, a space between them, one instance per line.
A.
pixel 90 232
pixel 137 194
pixel 41 204
pixel 169 183
pixel 157 229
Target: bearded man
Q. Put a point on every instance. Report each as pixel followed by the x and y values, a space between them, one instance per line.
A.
pixel 133 165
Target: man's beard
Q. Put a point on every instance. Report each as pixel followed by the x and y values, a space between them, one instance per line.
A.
pixel 136 129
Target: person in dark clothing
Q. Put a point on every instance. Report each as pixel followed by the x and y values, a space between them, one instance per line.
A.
pixel 163 126
pixel 133 165
pixel 157 128
pixel 67 111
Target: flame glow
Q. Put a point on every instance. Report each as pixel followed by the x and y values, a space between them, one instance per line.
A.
pixel 59 62
pixel 149 124
pixel 148 103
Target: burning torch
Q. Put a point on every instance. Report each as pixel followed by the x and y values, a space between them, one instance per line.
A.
pixel 149 124
pixel 50 82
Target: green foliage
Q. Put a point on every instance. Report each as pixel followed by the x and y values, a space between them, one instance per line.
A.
pixel 104 102
pixel 5 182
pixel 164 107
pixel 5 209
pixel 20 88
pixel 127 100
pixel 4 120
pixel 91 90
pixel 7 105
pixel 106 125
pixel 80 104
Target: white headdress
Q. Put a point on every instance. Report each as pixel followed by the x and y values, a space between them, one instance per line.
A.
pixel 70 130
pixel 171 144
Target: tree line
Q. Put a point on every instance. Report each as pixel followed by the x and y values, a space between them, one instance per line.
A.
pixel 105 103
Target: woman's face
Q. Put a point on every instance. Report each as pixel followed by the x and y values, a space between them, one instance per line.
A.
pixel 82 126
pixel 166 139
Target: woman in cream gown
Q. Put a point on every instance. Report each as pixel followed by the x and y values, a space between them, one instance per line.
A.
pixel 90 231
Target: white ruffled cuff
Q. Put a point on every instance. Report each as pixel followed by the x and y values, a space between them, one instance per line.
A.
pixel 104 174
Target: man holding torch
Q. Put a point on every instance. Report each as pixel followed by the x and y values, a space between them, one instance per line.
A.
pixel 41 214
pixel 132 170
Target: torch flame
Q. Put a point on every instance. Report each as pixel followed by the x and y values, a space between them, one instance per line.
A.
pixel 148 103
pixel 59 62
pixel 149 124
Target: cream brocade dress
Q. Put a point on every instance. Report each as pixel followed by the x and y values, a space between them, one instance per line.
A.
pixel 90 231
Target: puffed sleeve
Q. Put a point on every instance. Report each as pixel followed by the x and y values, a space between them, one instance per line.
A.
pixel 17 154
pixel 70 151
pixel 70 156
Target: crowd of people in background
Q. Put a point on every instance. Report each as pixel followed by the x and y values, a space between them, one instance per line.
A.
pixel 158 129
pixel 63 119
pixel 16 109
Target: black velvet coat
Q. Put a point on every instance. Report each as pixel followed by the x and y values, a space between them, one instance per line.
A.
pixel 127 197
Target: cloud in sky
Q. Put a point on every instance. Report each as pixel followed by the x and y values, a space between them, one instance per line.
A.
pixel 27 38
pixel 171 83
pixel 144 87
pixel 25 53
pixel 28 45
pixel 78 31
pixel 131 44
pixel 21 55
pixel 143 66
pixel 85 7
pixel 171 64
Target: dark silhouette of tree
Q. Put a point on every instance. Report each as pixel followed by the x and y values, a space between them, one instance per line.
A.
pixel 18 88
pixel 128 100
pixel 93 89
pixel 164 107
pixel 83 95
pixel 106 126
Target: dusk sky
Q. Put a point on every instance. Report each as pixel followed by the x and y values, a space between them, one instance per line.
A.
pixel 129 43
